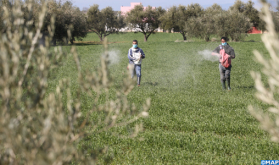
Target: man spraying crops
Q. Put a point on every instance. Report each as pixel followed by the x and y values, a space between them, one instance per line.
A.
pixel 225 54
pixel 135 55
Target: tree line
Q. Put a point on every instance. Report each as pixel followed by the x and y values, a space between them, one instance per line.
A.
pixel 190 21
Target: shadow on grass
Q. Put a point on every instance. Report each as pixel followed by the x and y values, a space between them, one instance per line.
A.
pixel 251 41
pixel 246 87
pixel 87 43
pixel 83 43
pixel 79 44
pixel 150 83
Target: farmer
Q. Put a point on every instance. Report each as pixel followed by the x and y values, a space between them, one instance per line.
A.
pixel 135 55
pixel 225 54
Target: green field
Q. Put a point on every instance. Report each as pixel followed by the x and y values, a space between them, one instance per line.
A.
pixel 192 120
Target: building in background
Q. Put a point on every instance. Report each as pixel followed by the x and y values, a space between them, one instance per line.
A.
pixel 254 30
pixel 125 9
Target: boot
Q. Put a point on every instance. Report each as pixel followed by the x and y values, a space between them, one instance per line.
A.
pixel 138 81
pixel 223 84
pixel 229 84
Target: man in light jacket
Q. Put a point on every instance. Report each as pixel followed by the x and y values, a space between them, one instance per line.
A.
pixel 135 55
pixel 224 71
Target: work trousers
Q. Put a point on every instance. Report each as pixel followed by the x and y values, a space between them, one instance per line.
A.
pixel 135 69
pixel 224 72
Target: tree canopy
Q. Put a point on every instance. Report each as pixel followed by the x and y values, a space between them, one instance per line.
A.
pixel 203 25
pixel 146 20
pixel 176 17
pixel 67 18
pixel 104 22
pixel 248 10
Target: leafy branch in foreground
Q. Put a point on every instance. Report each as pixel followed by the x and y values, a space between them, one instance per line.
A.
pixel 269 120
pixel 40 126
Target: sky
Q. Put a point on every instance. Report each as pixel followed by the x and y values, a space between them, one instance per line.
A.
pixel 116 4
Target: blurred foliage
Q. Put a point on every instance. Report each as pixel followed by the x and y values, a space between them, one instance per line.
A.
pixel 268 92
pixel 38 126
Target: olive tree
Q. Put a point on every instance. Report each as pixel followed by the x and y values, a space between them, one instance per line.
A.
pixel 176 18
pixel 146 20
pixel 208 27
pixel 232 24
pixel 79 25
pixel 203 24
pixel 248 10
pixel 104 22
pixel 169 19
pixel 68 17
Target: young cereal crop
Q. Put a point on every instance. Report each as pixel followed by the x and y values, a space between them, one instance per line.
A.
pixel 192 120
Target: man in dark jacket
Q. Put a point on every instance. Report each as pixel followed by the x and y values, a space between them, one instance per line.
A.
pixel 224 71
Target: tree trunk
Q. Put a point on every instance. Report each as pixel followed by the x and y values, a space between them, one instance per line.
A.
pixel 184 36
pixel 54 41
pixel 101 38
pixel 145 39
pixel 72 40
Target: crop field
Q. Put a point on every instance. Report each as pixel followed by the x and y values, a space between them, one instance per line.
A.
pixel 191 119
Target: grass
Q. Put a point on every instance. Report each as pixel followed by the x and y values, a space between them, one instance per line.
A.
pixel 192 121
